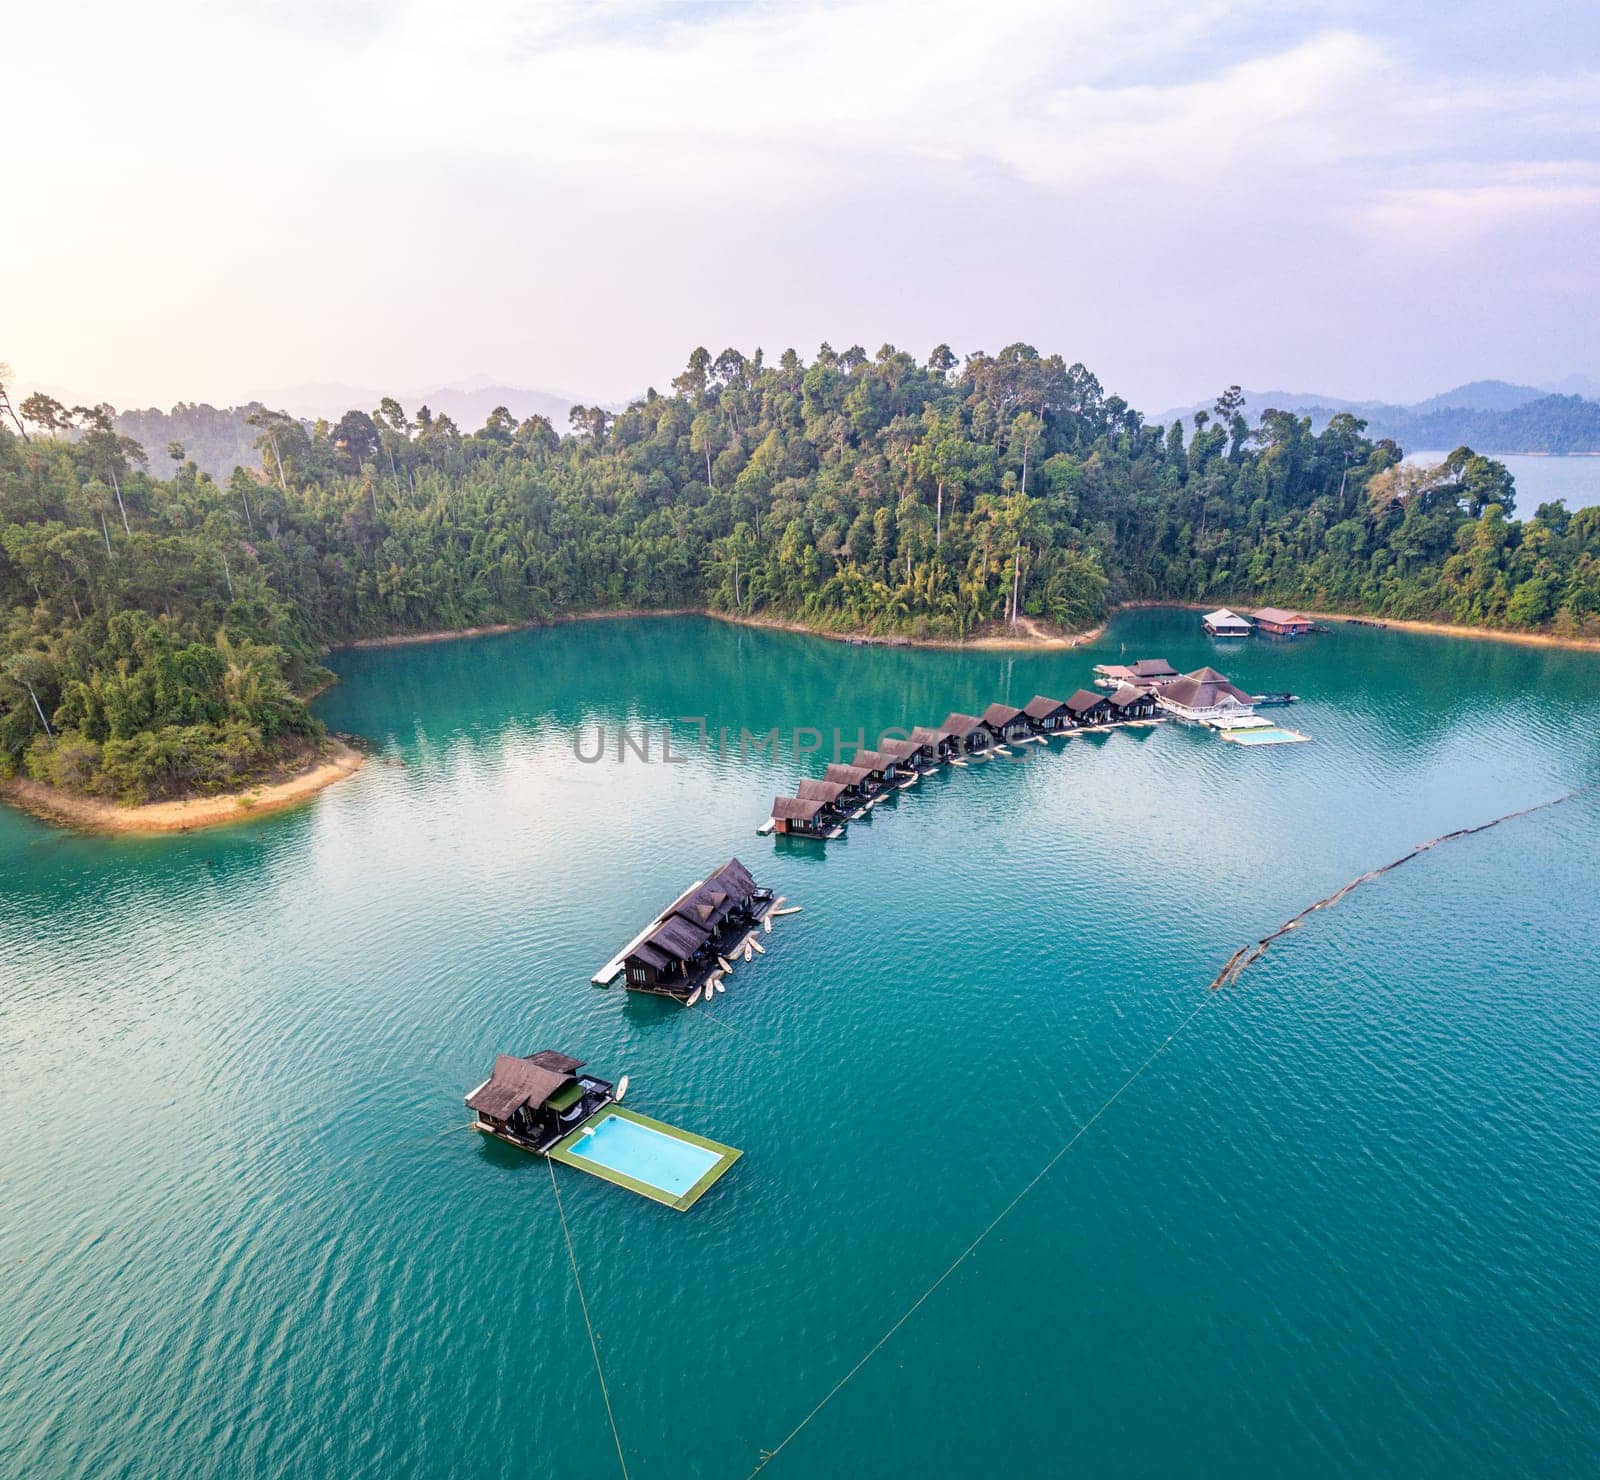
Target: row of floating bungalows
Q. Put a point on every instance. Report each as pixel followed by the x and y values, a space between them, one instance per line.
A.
pixel 822 808
pixel 678 952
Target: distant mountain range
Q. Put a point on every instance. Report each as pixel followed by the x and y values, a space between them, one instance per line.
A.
pixel 1486 415
pixel 467 403
pixel 220 439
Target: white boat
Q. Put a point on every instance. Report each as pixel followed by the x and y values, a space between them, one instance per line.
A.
pixel 694 997
pixel 749 951
pixel 766 923
pixel 793 909
pixel 755 945
pixel 724 963
pixel 719 985
pixel 622 1088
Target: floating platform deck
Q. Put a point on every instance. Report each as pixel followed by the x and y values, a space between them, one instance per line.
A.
pixel 613 968
pixel 673 1167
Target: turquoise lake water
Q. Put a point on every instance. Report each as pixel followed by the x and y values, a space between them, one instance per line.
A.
pixel 1347 1223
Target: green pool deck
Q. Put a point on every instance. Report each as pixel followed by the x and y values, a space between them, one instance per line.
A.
pixel 726 1156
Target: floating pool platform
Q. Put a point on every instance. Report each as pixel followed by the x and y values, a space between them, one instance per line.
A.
pixel 673 1167
pixel 1265 735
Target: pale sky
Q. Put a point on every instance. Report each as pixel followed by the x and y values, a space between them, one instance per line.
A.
pixel 210 201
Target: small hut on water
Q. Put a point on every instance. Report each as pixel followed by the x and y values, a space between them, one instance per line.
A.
pixel 806 817
pixel 856 780
pixel 534 1101
pixel 1046 715
pixel 968 733
pixel 1089 708
pixel 1005 722
pixel 1131 702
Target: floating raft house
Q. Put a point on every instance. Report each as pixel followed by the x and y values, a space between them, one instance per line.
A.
pixel 540 1103
pixel 675 953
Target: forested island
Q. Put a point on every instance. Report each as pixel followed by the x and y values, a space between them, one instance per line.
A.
pixel 162 629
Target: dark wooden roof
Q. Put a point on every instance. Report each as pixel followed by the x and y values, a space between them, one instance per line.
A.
pixel 674 939
pixel 871 760
pixel 849 775
pixel 1085 700
pixel 1149 668
pixel 548 1058
pixel 514 1083
pixel 812 790
pixel 1000 715
pixel 901 750
pixel 1040 707
pixel 795 809
pixel 1194 692
pixel 960 724
pixel 1279 617
pixel 924 736
pixel 1126 696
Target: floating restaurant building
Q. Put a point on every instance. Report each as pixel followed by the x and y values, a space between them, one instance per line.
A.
pixel 1276 622
pixel 1046 715
pixel 1206 697
pixel 1224 623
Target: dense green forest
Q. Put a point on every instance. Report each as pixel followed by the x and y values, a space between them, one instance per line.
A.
pixel 157 627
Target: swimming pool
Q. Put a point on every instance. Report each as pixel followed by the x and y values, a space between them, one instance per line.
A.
pixel 1272 736
pixel 659 1161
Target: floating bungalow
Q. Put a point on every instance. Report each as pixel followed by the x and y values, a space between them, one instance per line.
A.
pixel 1005 722
pixel 805 817
pixel 968 733
pixel 909 759
pixel 857 782
pixel 1276 622
pixel 533 1102
pixel 835 805
pixel 934 746
pixel 1146 673
pixel 1132 702
pixel 1206 697
pixel 673 955
pixel 1047 716
pixel 882 768
pixel 542 1104
pixel 1089 708
pixel 1224 623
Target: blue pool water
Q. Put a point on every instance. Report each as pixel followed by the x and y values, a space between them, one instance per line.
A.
pixel 646 1155
pixel 1274 736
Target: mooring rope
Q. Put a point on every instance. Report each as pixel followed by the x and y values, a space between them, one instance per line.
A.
pixel 729 1028
pixel 1246 956
pixel 594 1345
pixel 768 1455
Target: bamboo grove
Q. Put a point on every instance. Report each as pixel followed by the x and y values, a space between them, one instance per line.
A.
pixel 157 628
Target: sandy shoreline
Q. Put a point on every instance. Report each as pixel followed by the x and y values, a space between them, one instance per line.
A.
pixel 1036 638
pixel 98 815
